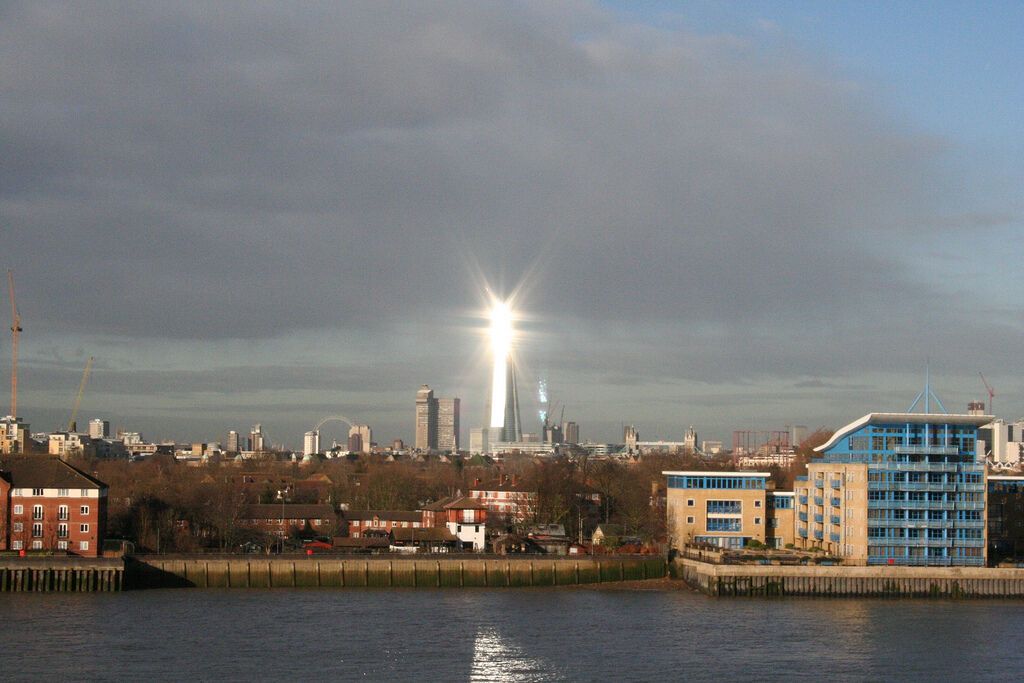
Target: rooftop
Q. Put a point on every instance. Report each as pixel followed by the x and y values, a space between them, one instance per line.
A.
pixel 904 418
pixel 45 471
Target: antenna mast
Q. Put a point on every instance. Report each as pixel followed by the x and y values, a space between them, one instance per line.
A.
pixel 15 331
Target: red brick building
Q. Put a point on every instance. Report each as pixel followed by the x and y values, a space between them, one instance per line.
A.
pixel 284 520
pixel 381 522
pixel 46 504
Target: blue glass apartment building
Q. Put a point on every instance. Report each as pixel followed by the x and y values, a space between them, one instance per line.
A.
pixel 897 489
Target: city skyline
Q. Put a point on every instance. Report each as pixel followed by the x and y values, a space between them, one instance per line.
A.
pixel 735 216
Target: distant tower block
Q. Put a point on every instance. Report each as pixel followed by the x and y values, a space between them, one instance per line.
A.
pixel 976 408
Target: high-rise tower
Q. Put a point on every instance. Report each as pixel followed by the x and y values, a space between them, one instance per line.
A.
pixel 426 419
pixel 503 404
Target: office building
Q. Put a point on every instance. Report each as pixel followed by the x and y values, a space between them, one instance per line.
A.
pixel 1002 443
pixel 479 440
pixel 570 433
pixel 503 404
pixel 426 419
pixel 232 443
pixel 448 424
pixel 256 440
pixel 897 489
pixel 311 443
pixel 360 439
pixel 99 429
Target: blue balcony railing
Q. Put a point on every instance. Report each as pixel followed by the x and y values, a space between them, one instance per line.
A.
pixel 803 500
pixel 819 535
pixel 803 516
pixel 836 502
pixel 819 501
pixel 836 483
pixel 834 538
pixel 819 483
pixel 819 519
pixel 835 519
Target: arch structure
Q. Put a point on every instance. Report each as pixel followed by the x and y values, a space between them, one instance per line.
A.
pixel 333 418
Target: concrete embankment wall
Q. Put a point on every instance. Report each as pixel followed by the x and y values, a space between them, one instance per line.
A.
pixel 333 572
pixel 840 581
pixel 65 575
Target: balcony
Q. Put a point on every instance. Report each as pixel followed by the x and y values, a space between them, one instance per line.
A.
pixel 819 535
pixel 819 519
pixel 802 516
pixel 929 466
pixel 835 519
pixel 801 533
pixel 918 505
pixel 834 538
pixel 803 500
pixel 819 483
pixel 819 501
pixel 927 450
pixel 836 483
pixel 836 502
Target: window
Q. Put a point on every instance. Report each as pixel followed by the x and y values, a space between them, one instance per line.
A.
pixel 62 512
pixel 84 528
pixel 16 545
pixel 18 527
pixel 37 545
pixel 757 503
pixel 37 492
pixel 37 530
pixel 84 509
pixel 690 502
pixel 62 545
pixel 62 531
pixel 757 520
pixel 19 510
pixel 689 520
pixel 84 492
pixel 83 545
pixel 37 512
pixel 16 492
pixel 467 516
pixel 62 492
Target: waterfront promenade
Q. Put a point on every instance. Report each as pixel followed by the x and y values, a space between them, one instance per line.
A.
pixel 848 581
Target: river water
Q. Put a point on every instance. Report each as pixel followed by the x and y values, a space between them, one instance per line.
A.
pixel 501 635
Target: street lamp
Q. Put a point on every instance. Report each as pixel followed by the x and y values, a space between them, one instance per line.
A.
pixel 281 496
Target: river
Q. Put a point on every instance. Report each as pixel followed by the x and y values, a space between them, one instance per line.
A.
pixel 501 635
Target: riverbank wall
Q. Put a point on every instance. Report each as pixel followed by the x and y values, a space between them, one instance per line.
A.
pixel 61 575
pixel 721 580
pixel 419 572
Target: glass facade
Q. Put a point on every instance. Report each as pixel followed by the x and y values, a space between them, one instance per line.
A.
pixel 926 491
pixel 719 481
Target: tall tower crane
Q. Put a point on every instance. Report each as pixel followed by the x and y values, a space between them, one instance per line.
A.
pixel 15 331
pixel 72 425
pixel 991 394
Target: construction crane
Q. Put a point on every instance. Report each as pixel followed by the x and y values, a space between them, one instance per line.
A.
pixel 991 394
pixel 15 331
pixel 72 425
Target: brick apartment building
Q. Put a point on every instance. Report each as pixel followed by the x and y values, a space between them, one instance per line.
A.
pixel 47 504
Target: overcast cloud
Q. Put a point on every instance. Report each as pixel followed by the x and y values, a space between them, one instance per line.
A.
pixel 268 212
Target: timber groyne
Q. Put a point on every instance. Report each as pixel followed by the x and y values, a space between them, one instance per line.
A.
pixel 847 581
pixel 61 575
pixel 419 572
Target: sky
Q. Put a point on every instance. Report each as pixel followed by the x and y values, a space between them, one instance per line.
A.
pixel 738 215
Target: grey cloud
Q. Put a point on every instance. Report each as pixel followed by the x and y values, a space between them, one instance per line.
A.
pixel 195 172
